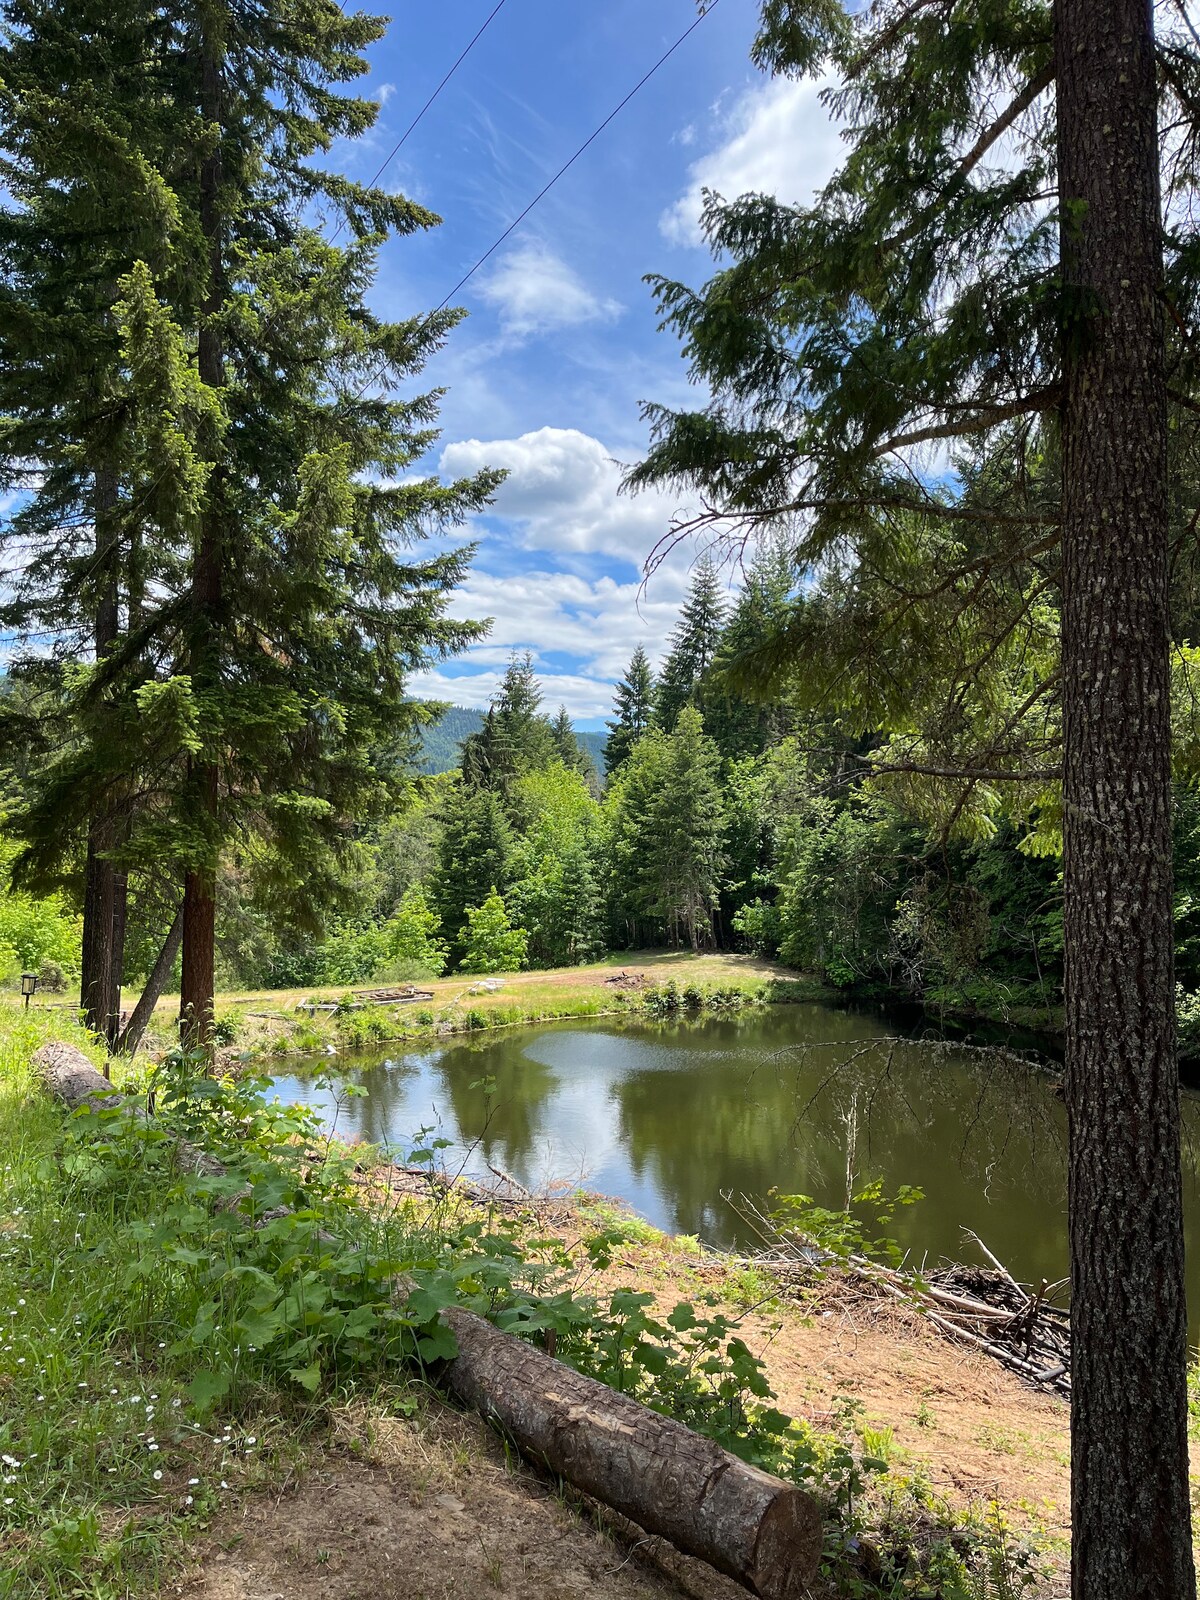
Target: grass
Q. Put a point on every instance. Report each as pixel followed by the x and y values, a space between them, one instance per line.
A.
pixel 124 1290
pixel 108 1463
pixel 263 1023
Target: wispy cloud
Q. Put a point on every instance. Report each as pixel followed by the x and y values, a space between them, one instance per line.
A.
pixel 777 139
pixel 535 291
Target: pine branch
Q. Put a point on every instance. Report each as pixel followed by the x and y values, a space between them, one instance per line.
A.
pixel 1041 400
pixel 1016 107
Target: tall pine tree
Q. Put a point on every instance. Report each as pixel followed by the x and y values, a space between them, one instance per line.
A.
pixel 693 645
pixel 633 705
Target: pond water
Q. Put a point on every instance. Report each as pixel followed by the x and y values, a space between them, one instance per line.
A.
pixel 801 1099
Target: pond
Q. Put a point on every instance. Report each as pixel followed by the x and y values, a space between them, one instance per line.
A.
pixel 801 1099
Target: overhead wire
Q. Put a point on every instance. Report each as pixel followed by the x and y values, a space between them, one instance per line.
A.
pixel 403 139
pixel 587 143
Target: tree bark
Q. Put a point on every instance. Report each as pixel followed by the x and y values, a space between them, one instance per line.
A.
pixel 199 906
pixel 670 1481
pixel 155 984
pixel 659 1474
pixel 1131 1524
pixel 99 892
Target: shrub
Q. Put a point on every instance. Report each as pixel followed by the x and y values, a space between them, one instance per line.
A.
pixel 413 936
pixel 491 943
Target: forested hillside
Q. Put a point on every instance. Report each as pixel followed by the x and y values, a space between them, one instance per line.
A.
pixel 441 739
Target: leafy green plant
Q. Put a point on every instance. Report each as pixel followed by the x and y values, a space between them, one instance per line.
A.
pixel 842 1234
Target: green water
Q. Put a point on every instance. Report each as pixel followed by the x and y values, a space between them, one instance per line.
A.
pixel 802 1099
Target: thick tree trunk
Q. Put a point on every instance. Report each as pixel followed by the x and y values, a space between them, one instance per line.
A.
pixel 1131 1517
pixel 99 892
pixel 155 984
pixel 199 907
pixel 670 1481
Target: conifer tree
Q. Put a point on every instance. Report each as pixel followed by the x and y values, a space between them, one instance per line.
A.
pixel 938 295
pixel 666 834
pixel 693 645
pixel 745 723
pixel 567 747
pixel 87 201
pixel 282 639
pixel 633 705
pixel 517 737
pixel 472 859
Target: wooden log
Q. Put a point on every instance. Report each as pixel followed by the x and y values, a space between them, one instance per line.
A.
pixel 72 1079
pixel 763 1532
pixel 659 1474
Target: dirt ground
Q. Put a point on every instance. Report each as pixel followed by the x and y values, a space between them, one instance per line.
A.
pixel 397 1510
pixel 432 1508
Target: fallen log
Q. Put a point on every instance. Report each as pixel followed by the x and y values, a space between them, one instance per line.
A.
pixel 71 1078
pixel 672 1482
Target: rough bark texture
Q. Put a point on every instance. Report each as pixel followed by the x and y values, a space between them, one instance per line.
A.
pixel 99 891
pixel 155 984
pixel 199 905
pixel 1131 1518
pixel 765 1533
pixel 670 1481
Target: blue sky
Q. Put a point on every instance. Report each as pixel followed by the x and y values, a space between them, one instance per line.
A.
pixel 546 375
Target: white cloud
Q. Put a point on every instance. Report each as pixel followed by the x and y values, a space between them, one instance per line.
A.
pixel 535 291
pixel 777 139
pixel 385 92
pixel 586 699
pixel 562 492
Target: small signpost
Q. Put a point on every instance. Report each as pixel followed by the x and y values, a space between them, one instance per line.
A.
pixel 29 983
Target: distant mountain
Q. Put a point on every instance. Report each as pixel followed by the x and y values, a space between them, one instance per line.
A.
pixel 441 739
pixel 594 744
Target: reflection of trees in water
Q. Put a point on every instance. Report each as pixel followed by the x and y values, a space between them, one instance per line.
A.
pixel 379 1117
pixel 981 1132
pixel 505 1115
pixel 983 1110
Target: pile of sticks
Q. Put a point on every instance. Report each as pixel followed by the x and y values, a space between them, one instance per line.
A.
pixel 985 1307
pixel 1017 1324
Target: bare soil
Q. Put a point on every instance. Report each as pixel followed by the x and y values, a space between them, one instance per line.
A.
pixel 429 1510
pixel 433 1507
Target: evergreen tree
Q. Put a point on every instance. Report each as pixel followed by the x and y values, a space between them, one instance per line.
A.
pixel 931 295
pixel 87 200
pixel 693 645
pixel 666 834
pixel 282 637
pixel 735 715
pixel 517 737
pixel 633 704
pixel 567 747
pixel 473 858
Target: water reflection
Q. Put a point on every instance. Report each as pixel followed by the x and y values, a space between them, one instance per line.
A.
pixel 799 1099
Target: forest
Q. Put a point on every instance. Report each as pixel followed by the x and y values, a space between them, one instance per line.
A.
pixel 721 822
pixel 926 728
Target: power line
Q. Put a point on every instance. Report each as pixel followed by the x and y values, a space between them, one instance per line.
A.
pixel 567 165
pixel 402 140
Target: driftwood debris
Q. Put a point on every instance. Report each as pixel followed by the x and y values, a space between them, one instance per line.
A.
pixel 671 1482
